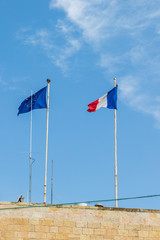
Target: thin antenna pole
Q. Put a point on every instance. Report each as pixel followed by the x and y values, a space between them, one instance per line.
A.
pixel 52 185
pixel 115 144
pixel 30 154
pixel 45 178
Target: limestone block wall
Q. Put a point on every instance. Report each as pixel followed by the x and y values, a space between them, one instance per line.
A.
pixel 22 222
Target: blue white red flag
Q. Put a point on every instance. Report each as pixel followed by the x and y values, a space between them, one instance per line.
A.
pixel 109 100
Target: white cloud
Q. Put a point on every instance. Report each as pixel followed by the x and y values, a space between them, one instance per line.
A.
pixel 127 23
pixel 92 17
pixel 64 27
pixel 131 94
pixel 8 85
pixel 45 40
pixel 38 38
pixel 109 62
pixel 99 20
pixel 124 34
pixel 71 48
pixel 154 14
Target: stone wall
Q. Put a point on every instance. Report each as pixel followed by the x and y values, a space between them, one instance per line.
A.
pixel 36 222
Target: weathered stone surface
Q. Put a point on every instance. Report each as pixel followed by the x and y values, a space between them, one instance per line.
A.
pixel 39 222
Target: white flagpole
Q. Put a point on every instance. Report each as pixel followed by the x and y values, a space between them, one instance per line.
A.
pixel 52 185
pixel 30 154
pixel 115 144
pixel 45 178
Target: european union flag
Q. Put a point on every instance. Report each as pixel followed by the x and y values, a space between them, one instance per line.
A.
pixel 37 100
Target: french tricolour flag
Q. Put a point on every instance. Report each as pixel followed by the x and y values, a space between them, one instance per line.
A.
pixel 109 100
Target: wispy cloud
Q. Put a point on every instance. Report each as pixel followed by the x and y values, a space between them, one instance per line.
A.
pixel 46 40
pixel 71 48
pixel 132 95
pixel 11 86
pixel 35 38
pixel 125 35
pixel 105 18
pixel 89 16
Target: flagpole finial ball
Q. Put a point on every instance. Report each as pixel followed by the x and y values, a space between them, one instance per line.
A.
pixel 48 80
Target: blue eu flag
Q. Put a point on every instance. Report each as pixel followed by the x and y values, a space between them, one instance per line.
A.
pixel 38 100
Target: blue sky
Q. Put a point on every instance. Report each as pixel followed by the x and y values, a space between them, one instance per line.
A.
pixel 81 46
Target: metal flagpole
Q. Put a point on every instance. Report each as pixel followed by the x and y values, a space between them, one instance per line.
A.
pixel 30 154
pixel 52 185
pixel 115 144
pixel 45 178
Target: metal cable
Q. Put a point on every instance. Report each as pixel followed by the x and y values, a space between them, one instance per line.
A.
pixel 75 203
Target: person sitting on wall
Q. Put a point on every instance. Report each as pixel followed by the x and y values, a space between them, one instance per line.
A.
pixel 20 198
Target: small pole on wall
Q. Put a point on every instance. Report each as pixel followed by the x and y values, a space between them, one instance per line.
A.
pixel 52 185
